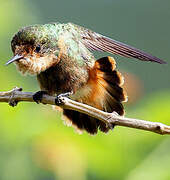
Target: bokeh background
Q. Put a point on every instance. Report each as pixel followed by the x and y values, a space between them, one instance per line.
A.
pixel 35 144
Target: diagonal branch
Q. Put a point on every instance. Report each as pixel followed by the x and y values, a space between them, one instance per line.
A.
pixel 16 95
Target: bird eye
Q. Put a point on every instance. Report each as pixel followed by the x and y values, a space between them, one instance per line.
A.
pixel 37 49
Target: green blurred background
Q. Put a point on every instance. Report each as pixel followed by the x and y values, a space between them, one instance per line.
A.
pixel 34 143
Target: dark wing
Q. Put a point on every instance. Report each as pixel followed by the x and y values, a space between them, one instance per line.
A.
pixel 98 42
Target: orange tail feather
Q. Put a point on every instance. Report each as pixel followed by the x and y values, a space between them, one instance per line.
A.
pixel 103 91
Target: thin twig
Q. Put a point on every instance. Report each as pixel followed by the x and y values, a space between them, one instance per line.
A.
pixel 16 95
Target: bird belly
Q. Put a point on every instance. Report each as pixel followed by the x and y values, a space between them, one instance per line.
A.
pixel 57 79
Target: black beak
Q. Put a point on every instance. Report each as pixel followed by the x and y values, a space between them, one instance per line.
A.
pixel 15 58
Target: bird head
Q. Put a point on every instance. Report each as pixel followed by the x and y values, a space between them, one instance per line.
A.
pixel 35 48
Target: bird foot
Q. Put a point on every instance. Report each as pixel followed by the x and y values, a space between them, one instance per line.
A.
pixel 59 98
pixel 37 97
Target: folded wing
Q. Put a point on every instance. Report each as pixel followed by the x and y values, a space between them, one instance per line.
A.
pixel 98 42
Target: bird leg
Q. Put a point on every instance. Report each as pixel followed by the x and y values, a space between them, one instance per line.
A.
pixel 37 97
pixel 58 99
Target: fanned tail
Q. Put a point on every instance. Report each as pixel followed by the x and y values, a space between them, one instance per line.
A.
pixel 103 91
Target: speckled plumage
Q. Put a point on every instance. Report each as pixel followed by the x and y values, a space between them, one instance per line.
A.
pixel 53 38
pixel 60 55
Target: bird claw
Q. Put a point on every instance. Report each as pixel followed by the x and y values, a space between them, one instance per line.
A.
pixel 37 97
pixel 60 98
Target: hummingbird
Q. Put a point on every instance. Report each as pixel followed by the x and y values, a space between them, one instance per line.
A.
pixel 61 56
